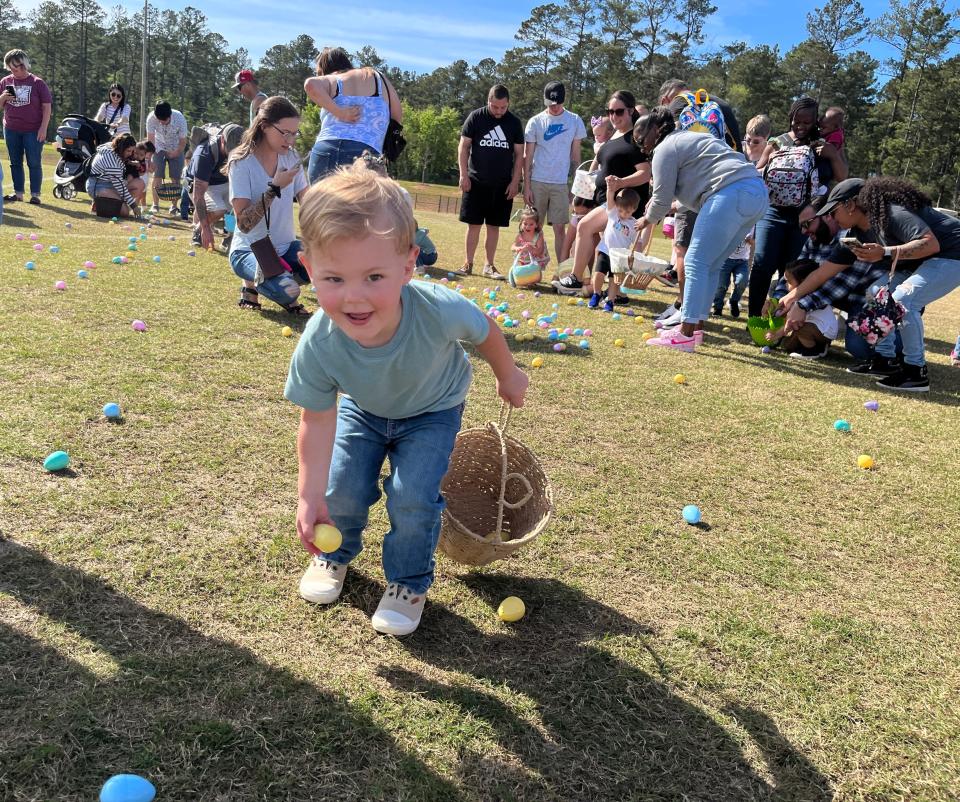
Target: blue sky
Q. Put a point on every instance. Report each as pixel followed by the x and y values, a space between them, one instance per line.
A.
pixel 425 35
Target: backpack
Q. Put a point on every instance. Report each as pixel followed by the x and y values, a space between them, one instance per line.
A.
pixel 207 133
pixel 703 116
pixel 791 176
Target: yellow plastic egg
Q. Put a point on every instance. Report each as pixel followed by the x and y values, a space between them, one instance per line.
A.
pixel 511 608
pixel 571 301
pixel 680 379
pixel 646 336
pixel 286 331
pixel 531 323
pixel 865 461
pixel 327 538
pixel 536 362
pixel 619 343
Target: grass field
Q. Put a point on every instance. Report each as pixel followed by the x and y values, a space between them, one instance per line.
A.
pixel 801 644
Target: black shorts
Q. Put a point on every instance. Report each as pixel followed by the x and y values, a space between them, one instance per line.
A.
pixel 683 228
pixel 602 264
pixel 486 204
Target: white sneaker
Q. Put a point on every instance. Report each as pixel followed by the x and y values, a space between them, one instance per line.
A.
pixel 668 322
pixel 154 209
pixel 322 582
pixel 670 310
pixel 399 610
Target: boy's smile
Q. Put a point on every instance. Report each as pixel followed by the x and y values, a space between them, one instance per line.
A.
pixel 359 284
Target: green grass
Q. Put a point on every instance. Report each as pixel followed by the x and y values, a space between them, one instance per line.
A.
pixel 802 645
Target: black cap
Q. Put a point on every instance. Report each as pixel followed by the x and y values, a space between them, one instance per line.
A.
pixel 843 191
pixel 554 93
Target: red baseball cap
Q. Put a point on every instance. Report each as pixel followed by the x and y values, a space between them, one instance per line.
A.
pixel 243 77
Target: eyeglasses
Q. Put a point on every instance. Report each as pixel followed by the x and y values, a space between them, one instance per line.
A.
pixel 290 136
pixel 615 112
pixel 806 225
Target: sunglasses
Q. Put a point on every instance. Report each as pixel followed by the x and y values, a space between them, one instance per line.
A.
pixel 615 112
pixel 115 94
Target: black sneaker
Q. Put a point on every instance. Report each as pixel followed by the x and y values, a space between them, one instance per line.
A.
pixel 568 285
pixel 669 277
pixel 734 309
pixel 718 311
pixel 878 366
pixel 195 239
pixel 912 379
pixel 813 352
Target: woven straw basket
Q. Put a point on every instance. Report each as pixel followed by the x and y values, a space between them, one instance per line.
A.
pixel 498 497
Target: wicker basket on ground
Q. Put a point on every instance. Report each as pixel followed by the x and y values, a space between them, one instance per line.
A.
pixel 498 497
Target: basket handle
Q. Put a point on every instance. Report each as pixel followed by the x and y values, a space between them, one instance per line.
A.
pixel 526 483
pixel 503 419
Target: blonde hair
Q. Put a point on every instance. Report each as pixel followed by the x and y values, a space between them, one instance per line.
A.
pixel 353 203
pixel 759 126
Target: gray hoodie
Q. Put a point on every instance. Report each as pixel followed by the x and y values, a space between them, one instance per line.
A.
pixel 691 167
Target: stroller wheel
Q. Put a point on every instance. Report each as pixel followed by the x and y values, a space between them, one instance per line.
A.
pixel 57 192
pixel 68 191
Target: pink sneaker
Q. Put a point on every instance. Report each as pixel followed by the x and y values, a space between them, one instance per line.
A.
pixel 674 339
pixel 697 334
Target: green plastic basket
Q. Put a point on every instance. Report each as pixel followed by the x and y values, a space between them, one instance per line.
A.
pixel 759 326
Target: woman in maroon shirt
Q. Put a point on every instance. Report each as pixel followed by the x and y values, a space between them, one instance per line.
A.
pixel 26 103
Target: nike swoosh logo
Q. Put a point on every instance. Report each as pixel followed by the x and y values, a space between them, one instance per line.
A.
pixel 552 131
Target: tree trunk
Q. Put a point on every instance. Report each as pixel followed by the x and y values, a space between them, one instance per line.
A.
pixel 910 118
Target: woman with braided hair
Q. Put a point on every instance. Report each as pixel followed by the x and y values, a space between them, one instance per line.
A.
pixel 710 178
pixel 926 244
pixel 778 237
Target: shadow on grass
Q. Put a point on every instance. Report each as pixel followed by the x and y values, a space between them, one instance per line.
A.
pixel 201 717
pixel 597 727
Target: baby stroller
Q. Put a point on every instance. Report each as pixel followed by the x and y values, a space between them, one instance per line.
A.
pixel 78 138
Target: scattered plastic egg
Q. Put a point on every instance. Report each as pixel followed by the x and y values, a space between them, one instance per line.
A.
pixel 156 259
pixel 89 265
pixel 127 788
pixel 842 425
pixel 865 461
pixel 615 316
pixel 138 325
pixel 38 247
pixel 286 331
pixel 82 274
pixel 765 349
pixel 511 609
pixel 691 514
pixel 619 343
pixel 18 237
pixel 111 410
pixel 60 285
pixel 873 406
pixel 56 461
pixel 30 265
pixel 680 379
pixel 536 362
pixel 34 237
pixel 54 249
pixel 588 332
pixel 584 344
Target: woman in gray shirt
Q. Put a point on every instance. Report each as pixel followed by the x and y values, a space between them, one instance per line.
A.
pixel 707 176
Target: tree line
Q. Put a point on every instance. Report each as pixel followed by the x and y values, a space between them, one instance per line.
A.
pixel 901 116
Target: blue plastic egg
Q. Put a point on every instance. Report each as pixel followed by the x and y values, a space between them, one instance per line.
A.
pixel 56 461
pixel 616 316
pixel 82 274
pixel 30 265
pixel 111 410
pixel 116 260
pixel 555 306
pixel 553 336
pixel 504 306
pixel 132 239
pixel 578 332
pixel 143 236
pixel 127 788
pixel 842 425
pixel 54 249
pixel 562 336
pixel 156 259
pixel 584 344
pixel 691 514
pixel 581 302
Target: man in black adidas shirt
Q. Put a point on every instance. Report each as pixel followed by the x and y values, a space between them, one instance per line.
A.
pixel 491 161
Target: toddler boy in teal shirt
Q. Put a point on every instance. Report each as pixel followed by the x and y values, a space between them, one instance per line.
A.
pixel 391 349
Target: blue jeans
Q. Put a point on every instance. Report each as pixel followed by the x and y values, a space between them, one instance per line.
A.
pixel 19 144
pixel 739 271
pixel 329 154
pixel 933 279
pixel 724 220
pixel 419 451
pixel 779 241
pixel 283 289
pixel 1 194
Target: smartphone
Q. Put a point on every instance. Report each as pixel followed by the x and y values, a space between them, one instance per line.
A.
pixel 10 91
pixel 850 242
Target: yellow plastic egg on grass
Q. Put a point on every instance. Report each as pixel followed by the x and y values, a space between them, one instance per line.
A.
pixel 536 362
pixel 865 461
pixel 646 336
pixel 511 608
pixel 327 538
pixel 286 331
pixel 619 343
pixel 680 379
pixel 571 301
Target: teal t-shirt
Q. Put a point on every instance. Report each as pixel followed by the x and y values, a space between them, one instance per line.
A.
pixel 422 369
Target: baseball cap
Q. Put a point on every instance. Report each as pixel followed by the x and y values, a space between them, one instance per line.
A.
pixel 553 93
pixel 844 191
pixel 242 77
pixel 231 133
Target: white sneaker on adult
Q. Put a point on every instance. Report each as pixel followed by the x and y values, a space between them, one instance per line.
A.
pixel 322 582
pixel 399 610
pixel 670 310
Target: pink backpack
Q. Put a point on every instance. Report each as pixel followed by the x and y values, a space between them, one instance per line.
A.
pixel 791 176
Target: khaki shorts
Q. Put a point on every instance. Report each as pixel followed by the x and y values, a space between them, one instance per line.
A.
pixel 552 201
pixel 217 198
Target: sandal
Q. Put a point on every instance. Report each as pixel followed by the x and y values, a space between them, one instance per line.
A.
pixel 297 310
pixel 248 299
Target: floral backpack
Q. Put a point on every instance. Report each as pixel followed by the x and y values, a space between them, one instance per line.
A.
pixel 791 175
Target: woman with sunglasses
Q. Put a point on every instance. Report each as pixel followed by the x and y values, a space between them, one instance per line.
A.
pixel 265 177
pixel 115 112
pixel 620 158
pixel 356 106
